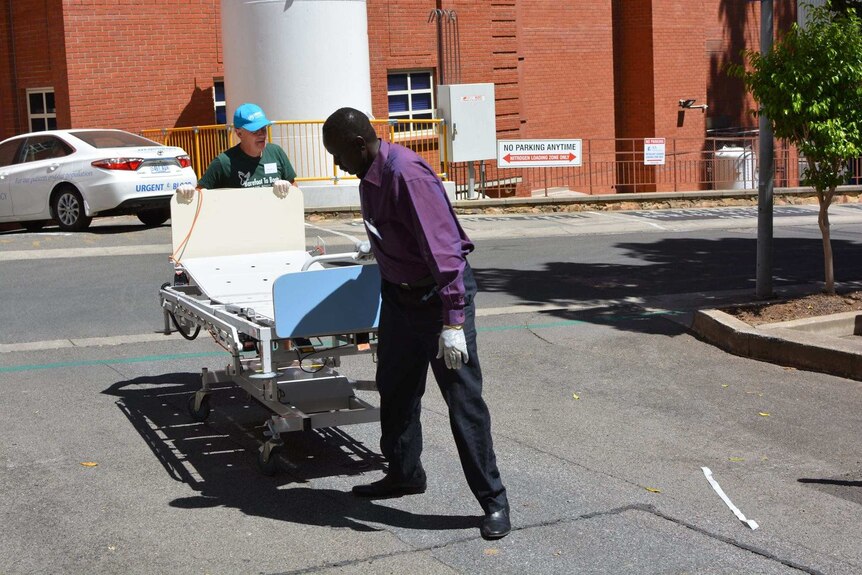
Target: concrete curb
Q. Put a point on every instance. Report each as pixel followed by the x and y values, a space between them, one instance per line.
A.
pixel 577 202
pixel 814 344
pixel 647 200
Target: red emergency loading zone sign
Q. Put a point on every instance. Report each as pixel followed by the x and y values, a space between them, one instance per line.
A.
pixel 538 153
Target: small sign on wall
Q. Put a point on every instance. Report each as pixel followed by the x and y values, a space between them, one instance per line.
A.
pixel 538 153
pixel 654 151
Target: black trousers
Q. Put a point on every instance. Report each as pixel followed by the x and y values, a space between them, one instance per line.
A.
pixel 410 324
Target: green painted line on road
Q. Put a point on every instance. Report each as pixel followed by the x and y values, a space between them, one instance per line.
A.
pixel 62 364
pixel 172 357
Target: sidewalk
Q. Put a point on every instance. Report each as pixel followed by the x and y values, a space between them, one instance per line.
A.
pixel 564 200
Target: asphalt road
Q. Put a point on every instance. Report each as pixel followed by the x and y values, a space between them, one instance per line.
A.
pixel 604 409
pixel 105 283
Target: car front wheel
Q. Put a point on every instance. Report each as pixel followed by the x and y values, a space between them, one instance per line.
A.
pixel 69 210
pixel 154 217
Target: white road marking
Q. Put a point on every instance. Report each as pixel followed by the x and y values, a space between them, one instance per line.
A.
pixel 628 218
pixel 85 252
pixel 87 342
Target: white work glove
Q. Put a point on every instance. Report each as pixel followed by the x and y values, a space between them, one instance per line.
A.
pixel 281 188
pixel 363 251
pixel 452 347
pixel 186 193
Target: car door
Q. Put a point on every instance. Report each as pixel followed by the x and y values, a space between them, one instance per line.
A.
pixel 9 153
pixel 36 175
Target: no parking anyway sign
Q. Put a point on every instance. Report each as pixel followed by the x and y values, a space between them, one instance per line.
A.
pixel 538 153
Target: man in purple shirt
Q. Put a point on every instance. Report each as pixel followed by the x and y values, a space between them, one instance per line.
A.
pixel 427 316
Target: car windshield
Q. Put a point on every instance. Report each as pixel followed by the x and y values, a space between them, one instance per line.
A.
pixel 113 139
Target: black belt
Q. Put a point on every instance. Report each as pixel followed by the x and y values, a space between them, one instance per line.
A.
pixel 422 283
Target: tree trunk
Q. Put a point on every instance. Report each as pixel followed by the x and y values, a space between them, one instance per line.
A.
pixel 825 199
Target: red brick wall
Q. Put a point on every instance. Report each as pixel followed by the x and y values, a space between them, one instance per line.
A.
pixel 507 71
pixel 679 70
pixel 399 38
pixel 7 89
pixel 729 27
pixel 565 52
pixel 59 64
pixel 549 61
pixel 136 65
pixel 634 98
pixel 567 81
pixel 34 31
pixel 666 51
pixel 123 64
pixel 594 70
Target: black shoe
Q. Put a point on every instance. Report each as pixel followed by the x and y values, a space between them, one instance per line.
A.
pixel 388 487
pixel 496 525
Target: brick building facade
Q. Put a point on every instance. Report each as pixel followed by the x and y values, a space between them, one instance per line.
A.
pixel 601 70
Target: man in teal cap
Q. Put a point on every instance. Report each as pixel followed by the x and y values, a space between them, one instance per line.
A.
pixel 253 163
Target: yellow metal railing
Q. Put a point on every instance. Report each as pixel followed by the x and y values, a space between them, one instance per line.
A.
pixel 610 165
pixel 302 141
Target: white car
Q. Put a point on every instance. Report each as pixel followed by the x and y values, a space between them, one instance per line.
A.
pixel 69 176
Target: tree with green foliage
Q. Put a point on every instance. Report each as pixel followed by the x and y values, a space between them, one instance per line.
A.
pixel 809 86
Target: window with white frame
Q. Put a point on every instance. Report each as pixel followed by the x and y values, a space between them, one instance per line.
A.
pixel 218 101
pixel 411 97
pixel 41 111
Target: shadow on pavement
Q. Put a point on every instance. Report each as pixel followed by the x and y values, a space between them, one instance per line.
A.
pixel 218 459
pixel 121 229
pixel 322 507
pixel 95 229
pixel 667 267
pixel 849 490
pixel 623 317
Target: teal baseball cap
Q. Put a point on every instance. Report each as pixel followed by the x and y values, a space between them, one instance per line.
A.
pixel 250 117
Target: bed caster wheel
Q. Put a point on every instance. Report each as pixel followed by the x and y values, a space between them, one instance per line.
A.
pixel 266 458
pixel 199 410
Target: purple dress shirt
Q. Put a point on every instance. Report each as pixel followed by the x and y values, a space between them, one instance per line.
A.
pixel 412 227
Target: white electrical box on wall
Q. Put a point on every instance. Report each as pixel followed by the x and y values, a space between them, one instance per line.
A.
pixel 471 121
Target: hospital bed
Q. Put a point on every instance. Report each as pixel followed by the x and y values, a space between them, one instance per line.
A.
pixel 286 314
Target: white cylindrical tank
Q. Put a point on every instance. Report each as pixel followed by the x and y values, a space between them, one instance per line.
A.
pixel 735 168
pixel 298 60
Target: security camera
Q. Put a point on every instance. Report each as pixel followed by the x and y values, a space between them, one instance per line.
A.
pixel 688 104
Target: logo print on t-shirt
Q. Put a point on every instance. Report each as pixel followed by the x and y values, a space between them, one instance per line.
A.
pixel 243 177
